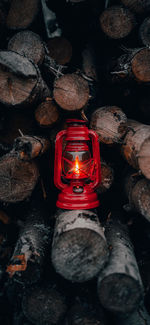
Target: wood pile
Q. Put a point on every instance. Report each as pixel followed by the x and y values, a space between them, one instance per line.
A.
pixel 90 60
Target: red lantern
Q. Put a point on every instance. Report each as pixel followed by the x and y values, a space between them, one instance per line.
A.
pixel 77 170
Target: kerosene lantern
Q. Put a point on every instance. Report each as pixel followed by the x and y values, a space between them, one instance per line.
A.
pixel 77 170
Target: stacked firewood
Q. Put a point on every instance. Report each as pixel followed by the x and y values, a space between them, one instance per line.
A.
pixel 85 59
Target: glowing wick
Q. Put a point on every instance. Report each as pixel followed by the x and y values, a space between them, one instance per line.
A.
pixel 77 169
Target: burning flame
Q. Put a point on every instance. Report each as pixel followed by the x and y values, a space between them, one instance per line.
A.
pixel 77 166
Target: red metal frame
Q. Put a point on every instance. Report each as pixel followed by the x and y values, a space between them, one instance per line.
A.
pixel 70 197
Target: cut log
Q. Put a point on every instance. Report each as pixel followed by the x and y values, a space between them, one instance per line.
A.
pixel 138 6
pixel 29 45
pixel 138 192
pixel 60 50
pixel 140 65
pixel 110 123
pixel 144 32
pixel 138 317
pixel 44 305
pixel 47 113
pixel 30 147
pixel 119 284
pixel 107 174
pixel 18 178
pixel 71 92
pixel 136 147
pixel 117 22
pixel 20 81
pixel 22 13
pixel 79 249
pixel 82 314
pixel 26 264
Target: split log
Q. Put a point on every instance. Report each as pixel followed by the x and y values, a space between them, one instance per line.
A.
pixel 119 284
pixel 107 174
pixel 110 123
pixel 30 147
pixel 138 317
pixel 136 147
pixel 44 305
pixel 26 264
pixel 18 178
pixel 22 13
pixel 144 32
pixel 79 249
pixel 29 45
pixel 82 314
pixel 60 50
pixel 21 83
pixel 47 113
pixel 137 190
pixel 117 22
pixel 138 6
pixel 71 92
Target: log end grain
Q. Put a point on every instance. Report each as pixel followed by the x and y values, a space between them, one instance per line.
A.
pixel 17 178
pixel 60 49
pixel 110 123
pixel 79 248
pixel 144 158
pixel 22 13
pixel 140 65
pixel 138 6
pixel 119 293
pixel 117 22
pixel 44 306
pixel 28 44
pixel 71 92
pixel 47 114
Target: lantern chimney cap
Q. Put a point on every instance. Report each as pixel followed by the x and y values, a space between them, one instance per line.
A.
pixel 75 121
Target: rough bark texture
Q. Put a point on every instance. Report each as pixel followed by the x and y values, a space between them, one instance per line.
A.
pixel 20 80
pixel 71 92
pixel 110 123
pixel 117 22
pixel 28 44
pixel 22 13
pixel 138 192
pixel 138 317
pixel 89 63
pixel 79 249
pixel 18 178
pixel 44 305
pixel 47 113
pixel 119 284
pixel 139 6
pixel 136 147
pixel 107 174
pixel 29 147
pixel 60 49
pixel 26 264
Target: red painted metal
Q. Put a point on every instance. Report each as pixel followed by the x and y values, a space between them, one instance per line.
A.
pixel 77 169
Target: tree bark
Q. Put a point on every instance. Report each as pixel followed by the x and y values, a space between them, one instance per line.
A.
pixel 26 264
pixel 136 147
pixel 137 190
pixel 117 22
pixel 138 317
pixel 110 123
pixel 119 284
pixel 107 174
pixel 82 314
pixel 30 147
pixel 79 249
